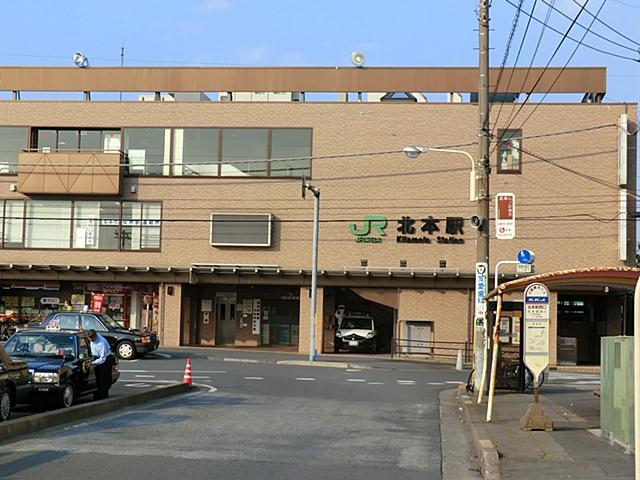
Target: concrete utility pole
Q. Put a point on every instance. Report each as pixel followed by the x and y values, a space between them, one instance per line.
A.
pixel 484 168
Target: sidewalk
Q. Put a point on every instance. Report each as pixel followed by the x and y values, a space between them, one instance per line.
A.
pixel 570 451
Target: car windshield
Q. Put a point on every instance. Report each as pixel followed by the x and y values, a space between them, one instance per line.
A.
pixel 40 345
pixel 108 321
pixel 357 323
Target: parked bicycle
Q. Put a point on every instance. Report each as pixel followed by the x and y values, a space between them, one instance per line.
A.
pixel 508 377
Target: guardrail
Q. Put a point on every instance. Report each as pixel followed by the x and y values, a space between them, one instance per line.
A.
pixel 430 349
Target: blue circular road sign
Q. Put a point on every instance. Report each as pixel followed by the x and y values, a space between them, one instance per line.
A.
pixel 526 256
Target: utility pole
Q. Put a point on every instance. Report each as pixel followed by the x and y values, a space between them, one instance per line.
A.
pixel 484 168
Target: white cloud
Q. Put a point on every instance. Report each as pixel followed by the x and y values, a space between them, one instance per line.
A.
pixel 211 5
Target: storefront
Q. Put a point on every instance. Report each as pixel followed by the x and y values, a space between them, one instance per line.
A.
pixel 131 305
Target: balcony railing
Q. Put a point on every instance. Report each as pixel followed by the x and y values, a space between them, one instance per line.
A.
pixel 70 172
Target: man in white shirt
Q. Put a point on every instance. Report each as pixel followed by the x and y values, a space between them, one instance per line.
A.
pixel 102 363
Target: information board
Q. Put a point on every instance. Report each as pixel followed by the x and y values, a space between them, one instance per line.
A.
pixel 536 328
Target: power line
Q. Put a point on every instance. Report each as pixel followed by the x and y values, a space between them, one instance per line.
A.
pixel 563 68
pixel 635 50
pixel 515 63
pixel 591 47
pixel 610 28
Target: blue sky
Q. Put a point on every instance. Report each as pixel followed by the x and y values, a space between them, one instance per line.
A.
pixel 286 32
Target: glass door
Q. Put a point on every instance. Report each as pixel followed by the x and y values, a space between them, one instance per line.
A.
pixel 225 318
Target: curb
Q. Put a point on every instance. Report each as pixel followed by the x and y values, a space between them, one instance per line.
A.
pixel 40 421
pixel 307 363
pixel 486 450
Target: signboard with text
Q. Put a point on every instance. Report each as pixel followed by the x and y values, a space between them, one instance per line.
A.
pixel 482 279
pixel 505 216
pixel 536 328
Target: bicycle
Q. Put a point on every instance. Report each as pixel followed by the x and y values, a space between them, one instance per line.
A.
pixel 504 380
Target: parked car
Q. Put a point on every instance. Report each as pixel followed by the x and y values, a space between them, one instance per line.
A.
pixel 126 344
pixel 59 364
pixel 356 331
pixel 14 383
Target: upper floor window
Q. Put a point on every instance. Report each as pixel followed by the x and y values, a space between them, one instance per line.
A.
pixel 227 152
pixel 509 151
pixel 12 141
pixel 73 139
pixel 99 225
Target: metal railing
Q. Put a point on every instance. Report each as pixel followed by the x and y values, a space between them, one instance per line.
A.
pixel 430 349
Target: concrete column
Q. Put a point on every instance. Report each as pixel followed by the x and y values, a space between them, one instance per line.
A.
pixel 170 314
pixel 304 325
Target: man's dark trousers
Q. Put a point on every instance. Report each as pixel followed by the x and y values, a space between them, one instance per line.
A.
pixel 103 378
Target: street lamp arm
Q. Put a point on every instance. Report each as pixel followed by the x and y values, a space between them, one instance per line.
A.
pixel 472 174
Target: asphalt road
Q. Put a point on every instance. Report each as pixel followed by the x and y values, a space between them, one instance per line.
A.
pixel 251 421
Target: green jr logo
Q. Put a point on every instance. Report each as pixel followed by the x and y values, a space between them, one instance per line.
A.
pixel 376 222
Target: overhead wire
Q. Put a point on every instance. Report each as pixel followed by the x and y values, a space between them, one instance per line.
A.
pixel 515 63
pixel 611 28
pixel 589 46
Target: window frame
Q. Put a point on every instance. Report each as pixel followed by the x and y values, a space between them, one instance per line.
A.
pixel 119 229
pixel 500 142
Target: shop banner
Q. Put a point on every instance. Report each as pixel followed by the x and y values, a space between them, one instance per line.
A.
pixel 96 302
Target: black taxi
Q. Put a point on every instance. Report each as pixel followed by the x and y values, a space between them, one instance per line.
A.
pixel 14 384
pixel 59 363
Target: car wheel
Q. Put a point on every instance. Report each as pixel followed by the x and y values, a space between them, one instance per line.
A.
pixel 126 350
pixel 5 405
pixel 68 396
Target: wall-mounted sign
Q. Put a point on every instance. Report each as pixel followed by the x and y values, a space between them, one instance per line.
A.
pixel 50 301
pixel 536 328
pixel 505 216
pixel 426 230
pixel 255 317
pixel 482 279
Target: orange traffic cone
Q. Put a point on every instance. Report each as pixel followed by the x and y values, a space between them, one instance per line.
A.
pixel 187 374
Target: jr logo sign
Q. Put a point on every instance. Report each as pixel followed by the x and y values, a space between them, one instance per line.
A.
pixel 376 222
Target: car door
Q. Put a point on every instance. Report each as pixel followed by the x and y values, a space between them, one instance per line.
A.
pixel 84 358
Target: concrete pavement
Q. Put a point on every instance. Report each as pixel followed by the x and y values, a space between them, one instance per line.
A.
pixel 573 450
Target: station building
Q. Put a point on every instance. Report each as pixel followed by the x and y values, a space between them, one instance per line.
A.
pixel 144 194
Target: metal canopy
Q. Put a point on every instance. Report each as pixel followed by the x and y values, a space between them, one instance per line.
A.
pixel 620 277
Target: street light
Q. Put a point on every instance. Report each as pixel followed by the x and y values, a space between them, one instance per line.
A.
pixel 314 265
pixel 414 152
pixel 481 223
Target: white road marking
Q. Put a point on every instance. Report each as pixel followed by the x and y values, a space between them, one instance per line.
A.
pixel 169 382
pixel 352 370
pixel 137 385
pixel 169 371
pixel 145 376
pixel 254 378
pixel 240 360
pixel 375 383
pixel 436 383
pixel 305 379
pixel 356 380
pixel 200 376
pixel 406 382
pixel 454 383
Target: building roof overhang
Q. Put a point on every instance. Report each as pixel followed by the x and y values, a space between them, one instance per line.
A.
pixel 617 277
pixel 582 80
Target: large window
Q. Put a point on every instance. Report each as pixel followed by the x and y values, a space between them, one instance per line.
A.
pixel 48 224
pixel 73 139
pixel 293 145
pixel 239 147
pixel 147 150
pixel 509 151
pixel 95 225
pixel 195 151
pixel 98 225
pixel 12 141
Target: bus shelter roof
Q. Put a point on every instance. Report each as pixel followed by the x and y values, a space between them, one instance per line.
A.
pixel 620 277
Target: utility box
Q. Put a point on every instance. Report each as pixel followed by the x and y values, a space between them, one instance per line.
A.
pixel 616 391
